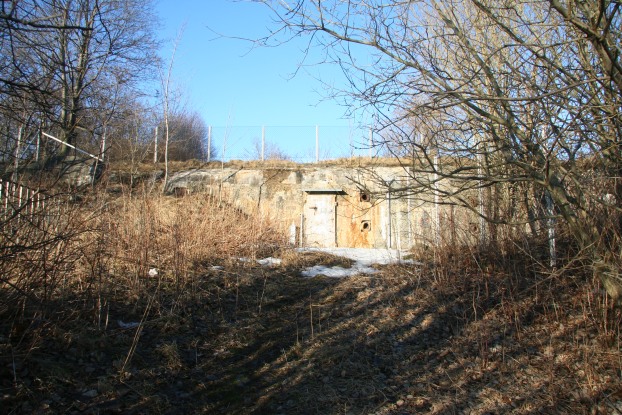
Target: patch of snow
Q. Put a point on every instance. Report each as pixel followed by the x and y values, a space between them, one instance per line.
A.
pixel 367 256
pixel 337 271
pixel 363 259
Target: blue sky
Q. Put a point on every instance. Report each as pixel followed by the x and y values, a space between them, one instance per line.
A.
pixel 238 89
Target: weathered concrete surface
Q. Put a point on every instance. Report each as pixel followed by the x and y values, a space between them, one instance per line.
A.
pixel 323 206
pixel 74 171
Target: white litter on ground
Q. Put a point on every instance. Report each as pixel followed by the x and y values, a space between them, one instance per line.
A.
pixel 269 262
pixel 266 262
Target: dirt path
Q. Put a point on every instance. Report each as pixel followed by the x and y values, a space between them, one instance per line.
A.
pixel 266 341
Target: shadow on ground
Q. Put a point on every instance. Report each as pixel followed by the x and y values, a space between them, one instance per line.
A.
pixel 254 340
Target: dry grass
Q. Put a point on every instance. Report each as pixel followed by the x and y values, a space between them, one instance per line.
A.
pixel 300 260
pixel 175 235
pixel 89 330
pixel 176 166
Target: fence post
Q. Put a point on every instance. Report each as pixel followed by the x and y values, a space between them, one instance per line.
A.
pixel 209 143
pixel 550 222
pixel 155 146
pixel 317 143
pixel 437 213
pixel 38 144
pixel 102 150
pixel 483 234
pixel 263 142
pixel 18 145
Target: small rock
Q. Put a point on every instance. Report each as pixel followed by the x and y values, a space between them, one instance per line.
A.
pixel 400 402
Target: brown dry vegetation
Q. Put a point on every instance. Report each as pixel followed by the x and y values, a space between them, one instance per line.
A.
pixel 85 329
pixel 174 166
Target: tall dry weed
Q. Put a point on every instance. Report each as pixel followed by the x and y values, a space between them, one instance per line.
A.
pixel 40 258
pixel 82 257
pixel 176 235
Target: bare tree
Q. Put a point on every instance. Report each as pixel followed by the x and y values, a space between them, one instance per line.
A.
pixel 270 151
pixel 188 137
pixel 167 97
pixel 133 132
pixel 62 56
pixel 503 93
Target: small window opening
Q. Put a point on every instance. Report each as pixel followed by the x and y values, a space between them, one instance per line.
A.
pixel 364 196
pixel 365 226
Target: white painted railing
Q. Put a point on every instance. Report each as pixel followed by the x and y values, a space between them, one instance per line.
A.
pixel 17 200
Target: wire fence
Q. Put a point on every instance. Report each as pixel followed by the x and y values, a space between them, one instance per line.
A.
pixel 302 144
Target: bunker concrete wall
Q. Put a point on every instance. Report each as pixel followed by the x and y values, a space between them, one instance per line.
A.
pixel 327 206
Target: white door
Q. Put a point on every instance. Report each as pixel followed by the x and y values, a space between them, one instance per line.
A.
pixel 319 220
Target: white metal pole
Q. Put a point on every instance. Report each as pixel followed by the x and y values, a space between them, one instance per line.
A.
pixel 224 150
pixel 102 151
pixel 371 140
pixel 317 143
pixel 209 143
pixel 263 142
pixel 482 211
pixel 155 146
pixel 72 146
pixel 550 211
pixel 302 229
pixel 335 230
pixel 409 215
pixel 38 145
pixel 389 231
pixel 351 140
pixel 18 147
pixel 437 213
pixel 550 222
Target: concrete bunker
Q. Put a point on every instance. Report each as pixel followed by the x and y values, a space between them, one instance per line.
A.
pixel 323 207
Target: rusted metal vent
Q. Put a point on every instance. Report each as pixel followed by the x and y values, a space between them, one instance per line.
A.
pixel 365 226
